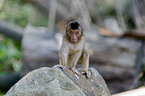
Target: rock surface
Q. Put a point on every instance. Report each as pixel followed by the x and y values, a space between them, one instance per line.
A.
pixel 56 82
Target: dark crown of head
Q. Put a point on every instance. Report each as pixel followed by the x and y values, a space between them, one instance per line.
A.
pixel 74 25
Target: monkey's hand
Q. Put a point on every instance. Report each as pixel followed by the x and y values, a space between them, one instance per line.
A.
pixel 86 73
pixel 60 66
pixel 76 72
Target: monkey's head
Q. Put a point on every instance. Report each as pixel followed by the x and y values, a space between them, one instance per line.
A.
pixel 74 31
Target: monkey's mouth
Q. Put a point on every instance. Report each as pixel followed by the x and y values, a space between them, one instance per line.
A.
pixel 74 40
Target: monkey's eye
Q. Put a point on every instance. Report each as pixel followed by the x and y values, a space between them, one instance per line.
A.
pixel 71 32
pixel 77 33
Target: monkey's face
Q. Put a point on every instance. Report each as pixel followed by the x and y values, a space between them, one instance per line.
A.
pixel 74 36
pixel 74 32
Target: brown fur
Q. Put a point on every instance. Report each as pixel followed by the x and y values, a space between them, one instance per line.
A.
pixel 70 54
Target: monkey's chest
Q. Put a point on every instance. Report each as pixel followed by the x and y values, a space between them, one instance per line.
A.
pixel 74 49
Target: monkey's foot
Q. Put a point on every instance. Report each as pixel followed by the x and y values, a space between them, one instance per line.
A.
pixel 60 66
pixel 76 72
pixel 86 73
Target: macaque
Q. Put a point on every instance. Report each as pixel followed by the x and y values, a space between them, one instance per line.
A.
pixel 73 51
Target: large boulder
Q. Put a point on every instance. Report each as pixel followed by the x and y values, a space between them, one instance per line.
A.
pixel 57 82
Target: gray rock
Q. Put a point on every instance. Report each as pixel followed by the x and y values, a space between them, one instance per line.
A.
pixel 39 46
pixel 112 24
pixel 56 82
pixel 113 57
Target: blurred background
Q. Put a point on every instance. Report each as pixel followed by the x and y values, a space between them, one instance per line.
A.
pixel 31 34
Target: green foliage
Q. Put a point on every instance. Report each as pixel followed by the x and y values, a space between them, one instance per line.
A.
pixel 21 13
pixel 2 94
pixel 9 55
pixel 104 9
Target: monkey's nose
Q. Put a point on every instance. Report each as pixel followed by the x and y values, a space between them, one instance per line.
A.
pixel 74 37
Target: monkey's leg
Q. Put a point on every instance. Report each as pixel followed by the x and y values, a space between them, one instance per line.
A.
pixel 85 64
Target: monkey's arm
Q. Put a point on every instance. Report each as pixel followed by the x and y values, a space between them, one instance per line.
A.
pixel 63 59
pixel 75 59
pixel 85 64
pixel 63 55
pixel 85 60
